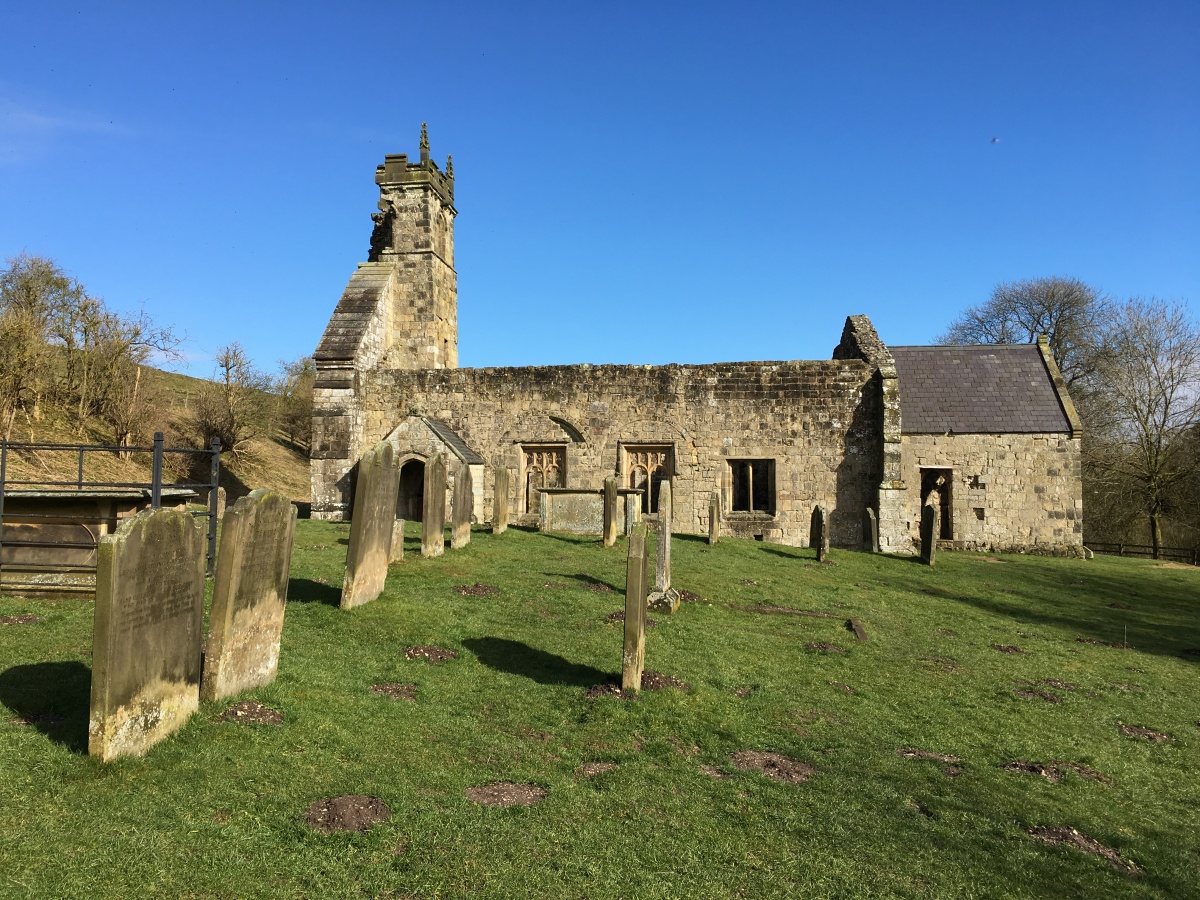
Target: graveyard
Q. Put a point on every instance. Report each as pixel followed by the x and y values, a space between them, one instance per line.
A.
pixel 862 725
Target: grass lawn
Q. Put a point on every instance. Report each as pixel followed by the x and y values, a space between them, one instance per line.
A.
pixel 219 809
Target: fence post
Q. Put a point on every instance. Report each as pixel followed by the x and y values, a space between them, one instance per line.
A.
pixel 156 472
pixel 80 481
pixel 3 479
pixel 213 485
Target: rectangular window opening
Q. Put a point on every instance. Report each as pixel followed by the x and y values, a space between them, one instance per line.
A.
pixel 752 483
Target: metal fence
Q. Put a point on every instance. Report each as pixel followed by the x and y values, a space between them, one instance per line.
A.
pixel 1174 554
pixel 34 491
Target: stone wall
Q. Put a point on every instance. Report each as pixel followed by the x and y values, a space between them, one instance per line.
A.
pixel 1008 491
pixel 813 420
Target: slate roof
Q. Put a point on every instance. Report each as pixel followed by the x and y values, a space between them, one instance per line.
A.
pixel 454 442
pixel 352 316
pixel 984 389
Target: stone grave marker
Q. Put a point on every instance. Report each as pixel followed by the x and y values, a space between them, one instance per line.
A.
pixel 396 551
pixel 870 525
pixel 633 657
pixel 664 599
pixel 372 525
pixel 146 637
pixel 931 527
pixel 610 510
pixel 633 511
pixel 462 502
pixel 818 532
pixel 433 510
pixel 500 501
pixel 249 594
pixel 714 517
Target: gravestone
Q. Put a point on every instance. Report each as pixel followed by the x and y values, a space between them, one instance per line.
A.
pixel 662 568
pixel 221 502
pixel 500 501
pixel 870 531
pixel 249 594
pixel 371 526
pixel 633 657
pixel 433 509
pixel 818 532
pixel 396 552
pixel 633 511
pixel 610 510
pixel 931 527
pixel 714 517
pixel 462 501
pixel 146 637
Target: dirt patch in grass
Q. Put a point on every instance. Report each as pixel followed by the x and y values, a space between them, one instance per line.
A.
pixel 1137 731
pixel 949 663
pixel 686 596
pixel 842 687
pixel 557 585
pixel 592 769
pixel 476 590
pixel 349 812
pixel 773 610
pixel 21 620
pixel 608 689
pixel 774 765
pixel 1008 648
pixel 619 616
pixel 1038 695
pixel 251 712
pixel 429 653
pixel 949 632
pixel 993 559
pixel 822 647
pixel 657 681
pixel 598 586
pixel 1054 771
pixel 744 691
pixel 747 581
pixel 714 772
pixel 395 690
pixel 915 753
pixel 1058 685
pixel 506 793
pixel 1062 836
pixel 1095 643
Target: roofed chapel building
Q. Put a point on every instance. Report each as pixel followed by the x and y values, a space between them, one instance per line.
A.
pixel 987 432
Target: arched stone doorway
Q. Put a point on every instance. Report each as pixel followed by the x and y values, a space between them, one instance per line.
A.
pixel 410 498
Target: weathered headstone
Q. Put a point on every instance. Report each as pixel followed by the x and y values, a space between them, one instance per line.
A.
pixel 818 532
pixel 662 567
pixel 146 638
pixel 249 595
pixel 714 517
pixel 870 526
pixel 610 510
pixel 633 658
pixel 931 527
pixel 633 511
pixel 500 501
pixel 396 552
pixel 371 526
pixel 462 501
pixel 433 510
pixel 221 502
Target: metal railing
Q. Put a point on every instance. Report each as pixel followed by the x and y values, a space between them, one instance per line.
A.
pixel 33 488
pixel 1174 554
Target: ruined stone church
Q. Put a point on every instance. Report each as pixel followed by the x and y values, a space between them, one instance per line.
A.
pixel 986 432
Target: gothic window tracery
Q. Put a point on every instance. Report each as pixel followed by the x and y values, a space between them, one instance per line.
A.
pixel 545 467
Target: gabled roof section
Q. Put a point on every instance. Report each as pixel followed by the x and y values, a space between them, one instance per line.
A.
pixel 979 389
pixel 352 317
pixel 454 442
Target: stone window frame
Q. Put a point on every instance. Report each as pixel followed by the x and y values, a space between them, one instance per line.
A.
pixel 628 453
pixel 543 449
pixel 735 470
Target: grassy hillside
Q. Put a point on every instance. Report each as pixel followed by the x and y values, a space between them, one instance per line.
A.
pixel 268 462
pixel 1005 716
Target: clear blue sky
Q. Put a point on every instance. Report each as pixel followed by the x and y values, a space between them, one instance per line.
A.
pixel 636 182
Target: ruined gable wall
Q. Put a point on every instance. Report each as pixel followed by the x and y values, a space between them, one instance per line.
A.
pixel 814 419
pixel 1030 488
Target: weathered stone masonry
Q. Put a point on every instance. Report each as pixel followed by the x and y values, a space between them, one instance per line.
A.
pixel 774 439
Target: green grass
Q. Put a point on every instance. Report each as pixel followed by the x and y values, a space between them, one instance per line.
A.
pixel 218 809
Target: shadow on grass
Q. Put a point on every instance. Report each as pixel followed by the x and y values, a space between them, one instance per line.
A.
pixel 790 552
pixel 517 658
pixel 587 579
pixel 304 590
pixel 53 697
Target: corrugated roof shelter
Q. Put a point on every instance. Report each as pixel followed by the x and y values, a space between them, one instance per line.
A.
pixel 984 389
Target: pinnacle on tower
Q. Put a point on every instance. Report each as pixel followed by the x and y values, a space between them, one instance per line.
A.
pixel 449 166
pixel 424 144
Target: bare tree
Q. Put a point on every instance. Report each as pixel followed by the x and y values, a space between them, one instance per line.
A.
pixel 238 405
pixel 296 399
pixel 1068 312
pixel 1142 445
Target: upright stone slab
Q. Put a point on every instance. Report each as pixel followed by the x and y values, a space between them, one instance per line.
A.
pixel 610 510
pixel 433 510
pixel 931 527
pixel 396 552
pixel 371 526
pixel 714 517
pixel 818 532
pixel 633 512
pixel 146 638
pixel 462 501
pixel 249 595
pixel 633 658
pixel 662 567
pixel 870 527
pixel 500 501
